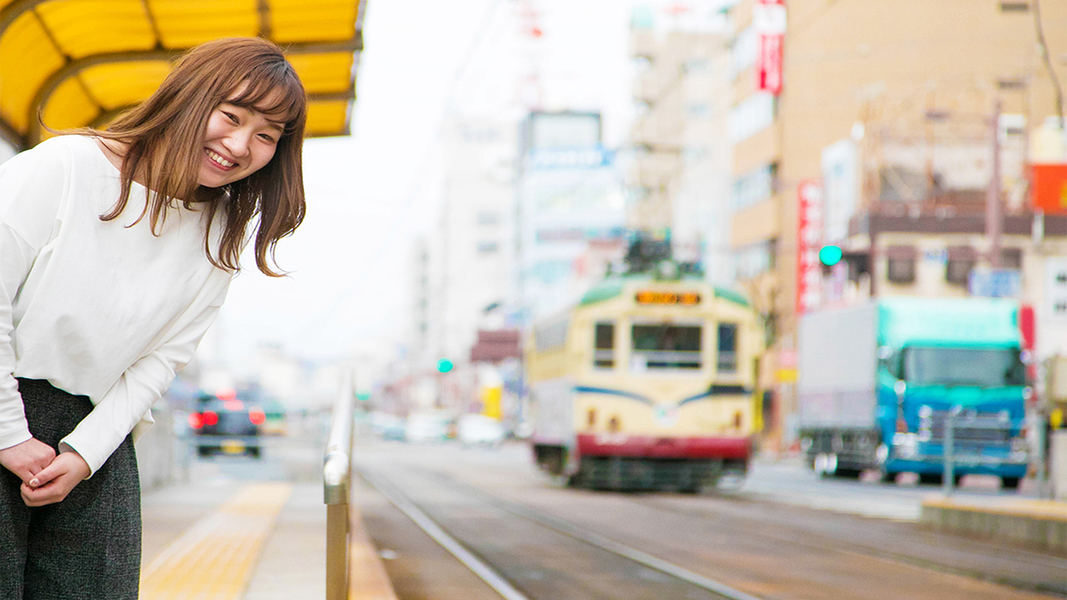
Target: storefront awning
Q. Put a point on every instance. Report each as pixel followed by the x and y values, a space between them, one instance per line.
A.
pixel 82 62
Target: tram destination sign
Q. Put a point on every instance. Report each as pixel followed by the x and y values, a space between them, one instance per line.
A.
pixel 667 298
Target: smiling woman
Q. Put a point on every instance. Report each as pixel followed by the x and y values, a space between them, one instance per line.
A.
pixel 105 305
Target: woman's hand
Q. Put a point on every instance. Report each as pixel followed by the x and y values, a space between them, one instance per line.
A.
pixel 27 459
pixel 56 481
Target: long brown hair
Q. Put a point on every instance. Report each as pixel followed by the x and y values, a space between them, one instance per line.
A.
pixel 163 138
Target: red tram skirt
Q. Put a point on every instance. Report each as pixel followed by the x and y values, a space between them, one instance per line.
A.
pixel 647 446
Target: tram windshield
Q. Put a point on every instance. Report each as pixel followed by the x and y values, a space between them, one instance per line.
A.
pixel 665 346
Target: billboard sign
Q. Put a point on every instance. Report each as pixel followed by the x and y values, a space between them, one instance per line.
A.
pixel 809 241
pixel 1052 318
pixel 1050 188
pixel 995 283
pixel 768 17
pixel 840 175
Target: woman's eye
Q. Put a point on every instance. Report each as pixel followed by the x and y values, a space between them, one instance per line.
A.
pixel 267 138
pixel 232 117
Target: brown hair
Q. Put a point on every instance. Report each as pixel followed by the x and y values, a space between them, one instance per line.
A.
pixel 163 137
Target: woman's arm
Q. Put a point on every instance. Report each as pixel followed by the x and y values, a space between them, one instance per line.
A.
pixel 32 185
pixel 132 396
pixel 20 453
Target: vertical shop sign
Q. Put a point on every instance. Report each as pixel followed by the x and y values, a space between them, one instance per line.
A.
pixel 768 17
pixel 809 240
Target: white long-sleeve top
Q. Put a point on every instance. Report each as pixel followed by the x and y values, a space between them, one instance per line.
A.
pixel 97 308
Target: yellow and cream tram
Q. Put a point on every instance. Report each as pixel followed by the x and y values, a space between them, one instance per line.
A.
pixel 646 384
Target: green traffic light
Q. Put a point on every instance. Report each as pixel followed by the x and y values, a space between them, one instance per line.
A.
pixel 830 255
pixel 444 365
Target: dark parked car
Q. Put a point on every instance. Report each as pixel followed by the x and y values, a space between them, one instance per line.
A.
pixel 227 427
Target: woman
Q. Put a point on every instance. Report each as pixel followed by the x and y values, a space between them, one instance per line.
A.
pixel 117 248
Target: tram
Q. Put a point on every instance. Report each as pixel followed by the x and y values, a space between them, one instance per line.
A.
pixel 646 384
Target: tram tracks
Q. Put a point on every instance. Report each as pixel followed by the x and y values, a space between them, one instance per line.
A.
pixel 715 539
pixel 672 580
pixel 1020 569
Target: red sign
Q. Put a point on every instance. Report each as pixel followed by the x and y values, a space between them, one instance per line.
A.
pixel 1050 188
pixel 768 18
pixel 809 240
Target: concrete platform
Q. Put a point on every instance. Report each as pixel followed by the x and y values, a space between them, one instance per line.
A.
pixel 1039 523
pixel 249 541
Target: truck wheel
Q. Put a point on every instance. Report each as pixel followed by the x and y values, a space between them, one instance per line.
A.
pixel 1009 483
pixel 888 477
pixel 930 478
pixel 847 473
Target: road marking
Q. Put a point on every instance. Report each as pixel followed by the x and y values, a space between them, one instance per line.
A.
pixel 213 559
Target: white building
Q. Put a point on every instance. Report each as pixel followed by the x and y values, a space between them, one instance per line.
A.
pixel 680 180
pixel 570 213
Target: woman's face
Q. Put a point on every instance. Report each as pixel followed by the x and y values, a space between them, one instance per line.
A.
pixel 238 142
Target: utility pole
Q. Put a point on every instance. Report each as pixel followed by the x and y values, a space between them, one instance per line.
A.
pixel 994 207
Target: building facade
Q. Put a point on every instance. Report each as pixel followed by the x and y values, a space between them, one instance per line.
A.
pixel 914 85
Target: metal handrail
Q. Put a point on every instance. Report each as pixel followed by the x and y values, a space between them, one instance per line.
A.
pixel 336 468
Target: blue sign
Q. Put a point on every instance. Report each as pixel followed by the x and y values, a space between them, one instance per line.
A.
pixel 995 283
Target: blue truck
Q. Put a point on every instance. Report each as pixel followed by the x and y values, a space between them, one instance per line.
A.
pixel 876 384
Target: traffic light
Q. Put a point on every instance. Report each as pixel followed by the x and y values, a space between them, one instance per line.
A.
pixel 830 255
pixel 444 365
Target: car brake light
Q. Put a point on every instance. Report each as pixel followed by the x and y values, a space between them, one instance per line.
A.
pixel 195 420
pixel 257 416
pixel 210 418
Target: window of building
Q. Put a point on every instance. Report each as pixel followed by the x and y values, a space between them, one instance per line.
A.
pixel 900 264
pixel 751 116
pixel 743 51
pixel 695 65
pixel 487 217
pixel 727 348
pixel 604 345
pixel 961 260
pixel 754 187
pixel 1014 6
pixel 754 259
pixel 665 346
pixel 488 247
pixel 1011 258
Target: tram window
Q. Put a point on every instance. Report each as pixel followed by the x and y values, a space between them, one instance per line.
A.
pixel 727 362
pixel 666 346
pixel 604 346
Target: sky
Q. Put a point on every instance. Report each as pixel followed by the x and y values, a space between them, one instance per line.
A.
pixel 371 193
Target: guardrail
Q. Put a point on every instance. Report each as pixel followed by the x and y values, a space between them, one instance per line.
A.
pixel 336 474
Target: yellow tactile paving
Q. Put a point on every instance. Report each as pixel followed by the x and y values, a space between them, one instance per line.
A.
pixel 1035 509
pixel 214 558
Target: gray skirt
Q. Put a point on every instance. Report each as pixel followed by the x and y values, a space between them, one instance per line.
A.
pixel 87 546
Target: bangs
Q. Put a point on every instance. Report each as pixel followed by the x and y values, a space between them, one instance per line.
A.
pixel 274 90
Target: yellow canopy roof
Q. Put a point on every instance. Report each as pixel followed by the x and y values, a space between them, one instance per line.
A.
pixel 82 62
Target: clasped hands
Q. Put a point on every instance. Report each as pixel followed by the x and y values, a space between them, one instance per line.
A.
pixel 46 477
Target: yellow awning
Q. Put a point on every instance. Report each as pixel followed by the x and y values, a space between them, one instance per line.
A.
pixel 82 62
